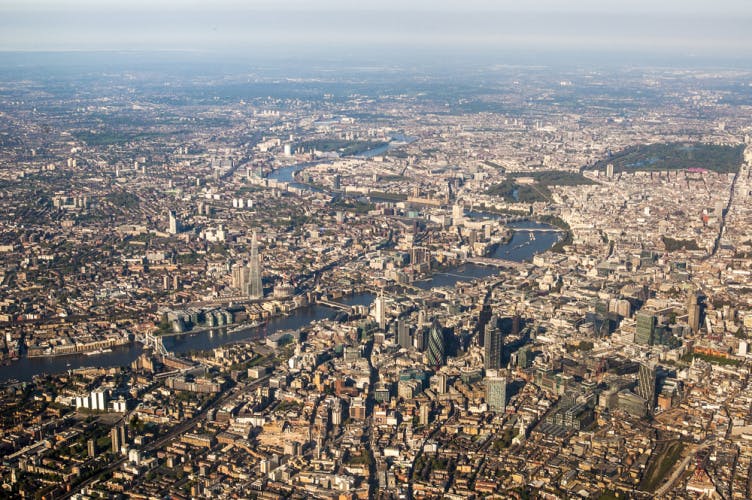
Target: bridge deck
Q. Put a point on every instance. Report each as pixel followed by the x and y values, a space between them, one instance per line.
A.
pixel 486 261
pixel 538 229
pixel 334 305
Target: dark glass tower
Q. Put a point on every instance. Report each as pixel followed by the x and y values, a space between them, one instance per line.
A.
pixel 493 345
pixel 646 382
pixel 436 351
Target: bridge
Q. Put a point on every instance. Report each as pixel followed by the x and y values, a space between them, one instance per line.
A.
pixel 226 300
pixel 334 305
pixel 537 229
pixel 500 263
pixel 155 343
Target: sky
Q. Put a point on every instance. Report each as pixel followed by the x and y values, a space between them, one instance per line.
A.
pixel 683 27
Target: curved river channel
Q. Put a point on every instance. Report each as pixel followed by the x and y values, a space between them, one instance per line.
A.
pixel 522 247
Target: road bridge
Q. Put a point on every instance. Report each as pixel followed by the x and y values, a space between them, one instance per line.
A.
pixel 149 340
pixel 334 305
pixel 500 263
pixel 537 230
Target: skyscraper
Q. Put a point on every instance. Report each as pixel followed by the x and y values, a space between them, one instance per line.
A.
pixel 483 318
pixel 404 339
pixel 240 278
pixel 524 357
pixel 645 323
pixel 458 214
pixel 380 311
pixel 115 439
pixel 419 339
pixel 693 312
pixel 441 383
pixel 425 414
pixel 496 393
pixel 173 223
pixel 493 344
pixel 646 382
pixel 99 400
pixel 436 348
pixel 256 290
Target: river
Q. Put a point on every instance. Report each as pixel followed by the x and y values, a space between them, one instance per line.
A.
pixel 287 174
pixel 523 246
pixel 25 368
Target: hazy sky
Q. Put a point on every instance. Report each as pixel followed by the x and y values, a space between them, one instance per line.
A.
pixel 703 27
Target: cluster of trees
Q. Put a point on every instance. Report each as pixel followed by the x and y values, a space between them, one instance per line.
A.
pixel 673 245
pixel 675 156
pixel 514 192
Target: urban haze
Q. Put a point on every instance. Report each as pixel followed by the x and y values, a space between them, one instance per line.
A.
pixel 390 250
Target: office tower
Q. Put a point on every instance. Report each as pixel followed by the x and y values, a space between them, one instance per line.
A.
pixel 115 438
pixel 419 339
pixel 645 323
pixel 419 255
pixel 173 227
pixel 610 170
pixel 483 318
pixel 380 311
pixel 693 312
pixel 646 382
pixel 421 318
pixel 458 214
pixel 620 306
pixel 524 357
pixel 337 413
pixel 436 348
pixel 256 290
pixel 241 278
pixel 496 393
pixel 425 413
pixel 441 383
pixel 404 339
pixel 92 448
pixel 493 344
